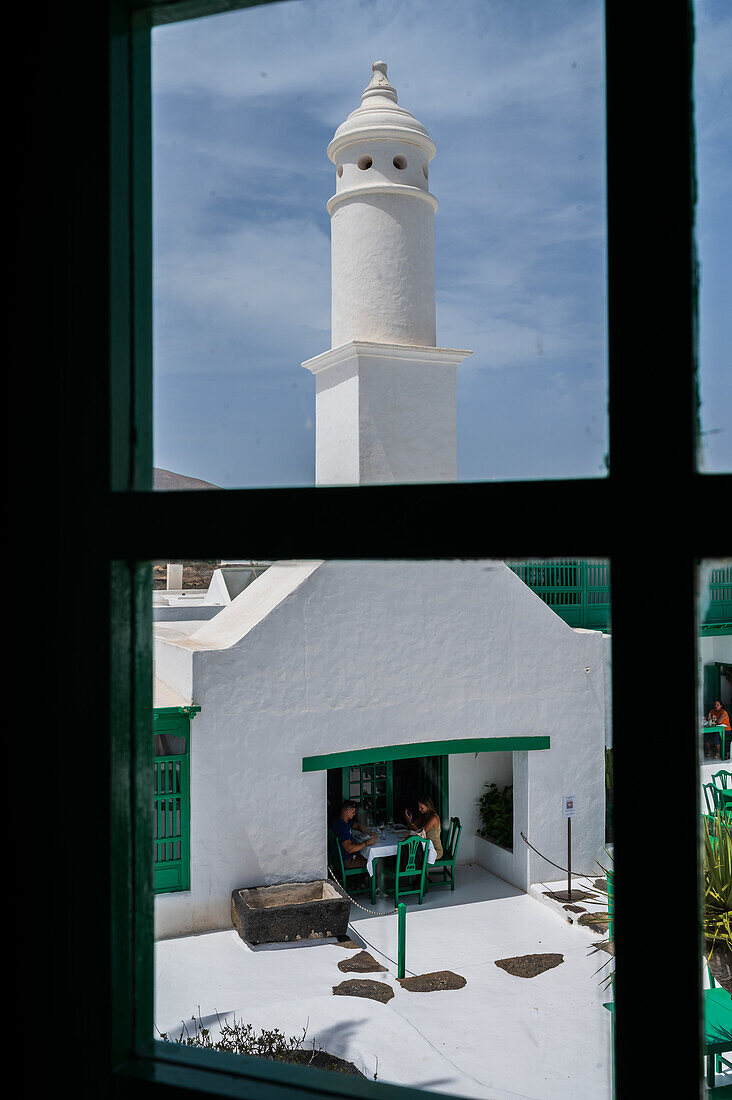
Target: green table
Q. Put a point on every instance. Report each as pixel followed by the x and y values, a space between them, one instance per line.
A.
pixel 717 1027
pixel 722 731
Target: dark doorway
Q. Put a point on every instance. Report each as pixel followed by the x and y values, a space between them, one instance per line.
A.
pixel 426 775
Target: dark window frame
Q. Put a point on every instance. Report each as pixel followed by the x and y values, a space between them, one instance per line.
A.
pixel 96 423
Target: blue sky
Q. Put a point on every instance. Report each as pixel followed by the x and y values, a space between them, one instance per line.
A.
pixel 512 92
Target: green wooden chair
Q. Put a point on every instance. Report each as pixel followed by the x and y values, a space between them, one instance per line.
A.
pixel 445 867
pixel 357 874
pixel 710 797
pixel 722 782
pixel 408 867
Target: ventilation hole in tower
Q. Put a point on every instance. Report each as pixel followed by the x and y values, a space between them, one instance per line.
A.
pixel 400 163
pixel 340 171
pixel 364 163
pixel 426 171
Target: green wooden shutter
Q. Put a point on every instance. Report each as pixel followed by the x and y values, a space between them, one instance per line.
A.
pixel 712 686
pixel 171 787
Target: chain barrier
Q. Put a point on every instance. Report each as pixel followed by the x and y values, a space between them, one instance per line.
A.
pixel 577 874
pixel 358 905
pixel 371 913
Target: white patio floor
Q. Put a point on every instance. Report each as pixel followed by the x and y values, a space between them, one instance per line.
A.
pixel 499 1036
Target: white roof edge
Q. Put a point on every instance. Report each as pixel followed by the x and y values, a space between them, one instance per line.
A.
pixel 258 600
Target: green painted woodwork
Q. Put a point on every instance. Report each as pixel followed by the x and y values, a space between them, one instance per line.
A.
pixel 405 869
pixel 372 786
pixel 172 798
pixel 362 881
pixel 579 591
pixel 445 867
pixel 424 748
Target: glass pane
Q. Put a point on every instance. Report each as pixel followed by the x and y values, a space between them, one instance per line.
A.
pixel 248 288
pixel 301 678
pixel 712 91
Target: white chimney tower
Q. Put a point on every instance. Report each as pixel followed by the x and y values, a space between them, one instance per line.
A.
pixel 385 395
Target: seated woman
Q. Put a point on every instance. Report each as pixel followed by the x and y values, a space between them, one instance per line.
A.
pixel 719 716
pixel 426 823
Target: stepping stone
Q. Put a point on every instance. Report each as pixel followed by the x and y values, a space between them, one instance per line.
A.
pixel 562 895
pixel 528 966
pixel 600 884
pixel 350 945
pixel 362 987
pixel 574 908
pixel 363 963
pixel 428 983
pixel 598 922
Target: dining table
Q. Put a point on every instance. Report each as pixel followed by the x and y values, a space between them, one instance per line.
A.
pixel 387 844
pixel 724 735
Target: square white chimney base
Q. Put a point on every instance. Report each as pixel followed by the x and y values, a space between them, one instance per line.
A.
pixel 385 413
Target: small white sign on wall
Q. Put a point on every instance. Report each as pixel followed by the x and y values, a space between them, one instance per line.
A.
pixel 569 803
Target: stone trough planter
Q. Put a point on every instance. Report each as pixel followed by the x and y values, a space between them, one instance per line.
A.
pixel 289 912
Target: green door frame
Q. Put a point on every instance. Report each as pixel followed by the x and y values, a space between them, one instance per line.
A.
pixel 424 748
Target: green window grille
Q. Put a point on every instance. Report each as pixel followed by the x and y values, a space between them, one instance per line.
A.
pixel 171 787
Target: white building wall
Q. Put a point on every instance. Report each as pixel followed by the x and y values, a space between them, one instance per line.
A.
pixel 369 654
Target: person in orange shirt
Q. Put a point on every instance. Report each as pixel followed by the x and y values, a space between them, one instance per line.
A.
pixel 719 716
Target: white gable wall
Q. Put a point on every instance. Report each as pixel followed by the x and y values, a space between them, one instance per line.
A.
pixel 368 654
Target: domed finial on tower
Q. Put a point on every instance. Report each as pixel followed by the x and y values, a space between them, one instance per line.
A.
pixel 379 83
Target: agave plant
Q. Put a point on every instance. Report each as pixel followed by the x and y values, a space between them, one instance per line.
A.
pixel 606 945
pixel 718 881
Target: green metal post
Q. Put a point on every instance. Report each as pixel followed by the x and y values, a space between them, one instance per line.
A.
pixel 402 919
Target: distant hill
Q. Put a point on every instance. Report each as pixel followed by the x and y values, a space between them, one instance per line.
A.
pixel 167 481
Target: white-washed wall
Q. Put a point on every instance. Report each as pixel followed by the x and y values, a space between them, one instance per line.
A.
pixel 369 654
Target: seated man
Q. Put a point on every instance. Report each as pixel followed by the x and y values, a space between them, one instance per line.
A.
pixel 351 848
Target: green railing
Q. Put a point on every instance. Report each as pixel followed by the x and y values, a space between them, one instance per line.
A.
pixel 579 591
pixel 720 596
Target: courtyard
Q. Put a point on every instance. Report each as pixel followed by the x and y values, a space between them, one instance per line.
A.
pixel 498 1036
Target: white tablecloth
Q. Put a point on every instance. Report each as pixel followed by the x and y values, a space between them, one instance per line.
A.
pixel 387 845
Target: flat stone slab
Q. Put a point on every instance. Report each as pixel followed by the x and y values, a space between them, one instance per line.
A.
pixel 349 944
pixel 598 922
pixel 574 908
pixel 562 895
pixel 362 987
pixel 362 963
pixel 428 983
pixel 600 884
pixel 529 966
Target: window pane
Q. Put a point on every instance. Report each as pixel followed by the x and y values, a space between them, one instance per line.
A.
pixel 713 116
pixel 454 699
pixel 245 105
